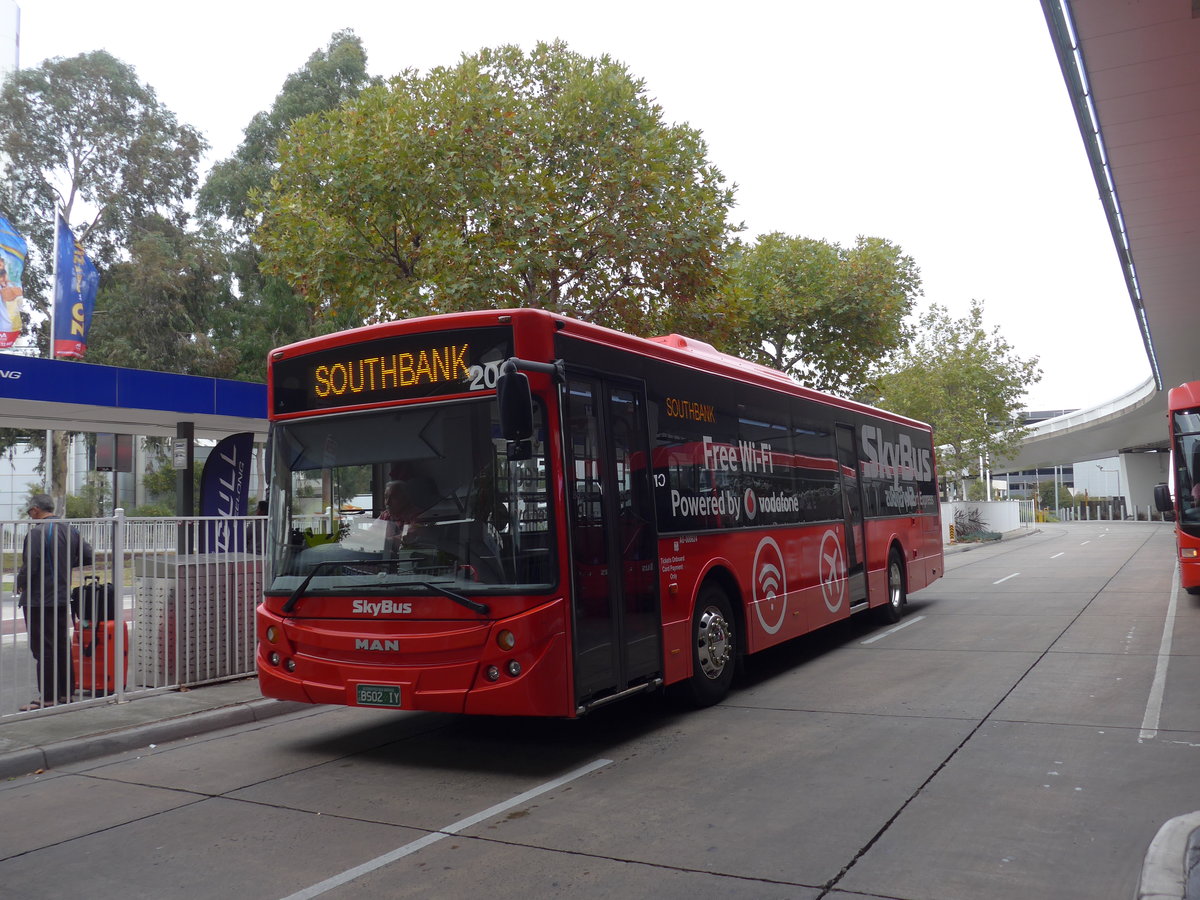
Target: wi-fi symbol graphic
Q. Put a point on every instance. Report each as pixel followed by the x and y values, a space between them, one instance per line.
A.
pixel 770 585
pixel 769 580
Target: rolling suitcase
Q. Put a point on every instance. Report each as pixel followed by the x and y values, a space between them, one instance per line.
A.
pixel 94 645
pixel 94 656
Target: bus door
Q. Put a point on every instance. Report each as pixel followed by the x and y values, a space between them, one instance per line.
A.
pixel 614 559
pixel 852 506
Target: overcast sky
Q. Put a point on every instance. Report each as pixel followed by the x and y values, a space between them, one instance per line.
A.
pixel 940 125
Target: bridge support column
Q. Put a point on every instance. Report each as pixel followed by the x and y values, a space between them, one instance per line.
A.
pixel 1140 472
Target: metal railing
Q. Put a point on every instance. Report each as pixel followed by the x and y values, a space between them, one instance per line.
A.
pixel 183 594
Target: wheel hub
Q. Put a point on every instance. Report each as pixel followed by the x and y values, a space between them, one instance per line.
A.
pixel 712 643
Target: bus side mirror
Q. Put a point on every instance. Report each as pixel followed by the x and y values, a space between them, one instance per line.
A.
pixel 1162 498
pixel 516 404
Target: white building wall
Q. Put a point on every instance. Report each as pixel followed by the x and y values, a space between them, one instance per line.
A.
pixel 17 471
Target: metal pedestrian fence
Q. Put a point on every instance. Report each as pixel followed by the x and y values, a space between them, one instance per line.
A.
pixel 163 604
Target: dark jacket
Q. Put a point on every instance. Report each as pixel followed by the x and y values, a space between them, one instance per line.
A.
pixel 51 550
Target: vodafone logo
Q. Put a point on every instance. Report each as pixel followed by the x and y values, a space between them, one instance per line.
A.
pixel 750 503
pixel 770 585
pixel 831 570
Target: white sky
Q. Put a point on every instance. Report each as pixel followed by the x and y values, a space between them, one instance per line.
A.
pixel 941 125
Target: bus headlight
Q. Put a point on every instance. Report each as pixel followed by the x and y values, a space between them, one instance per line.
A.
pixel 274 659
pixel 492 673
pixel 514 668
pixel 1188 553
pixel 506 640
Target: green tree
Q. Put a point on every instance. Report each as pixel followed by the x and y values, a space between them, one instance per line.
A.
pixel 824 313
pixel 329 78
pixel 83 135
pixel 547 180
pixel 967 383
pixel 93 500
pixel 267 313
pixel 166 307
pixel 1046 498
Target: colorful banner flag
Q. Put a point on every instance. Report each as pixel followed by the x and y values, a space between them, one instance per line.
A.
pixel 225 491
pixel 74 294
pixel 12 265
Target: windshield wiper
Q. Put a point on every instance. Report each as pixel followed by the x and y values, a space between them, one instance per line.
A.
pixel 473 605
pixel 299 591
pixel 292 601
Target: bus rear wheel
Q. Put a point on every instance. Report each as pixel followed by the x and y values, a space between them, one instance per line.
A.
pixel 714 647
pixel 897 592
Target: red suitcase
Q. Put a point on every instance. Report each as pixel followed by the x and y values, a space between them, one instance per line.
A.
pixel 94 656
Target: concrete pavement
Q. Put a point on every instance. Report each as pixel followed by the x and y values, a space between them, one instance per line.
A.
pixel 30 744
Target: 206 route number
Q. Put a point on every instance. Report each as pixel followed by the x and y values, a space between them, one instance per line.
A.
pixel 378 695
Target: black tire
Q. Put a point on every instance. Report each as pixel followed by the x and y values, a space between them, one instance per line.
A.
pixel 897 590
pixel 714 647
pixel 1193 590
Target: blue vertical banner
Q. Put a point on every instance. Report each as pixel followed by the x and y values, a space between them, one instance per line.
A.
pixel 12 265
pixel 225 492
pixel 74 293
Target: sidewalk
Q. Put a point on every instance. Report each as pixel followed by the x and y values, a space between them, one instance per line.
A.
pixel 29 744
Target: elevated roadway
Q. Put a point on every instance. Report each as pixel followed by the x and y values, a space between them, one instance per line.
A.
pixel 1133 74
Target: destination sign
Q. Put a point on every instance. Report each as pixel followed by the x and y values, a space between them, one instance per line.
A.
pixel 402 367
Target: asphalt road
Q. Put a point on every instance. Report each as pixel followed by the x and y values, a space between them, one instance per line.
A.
pixel 1022 733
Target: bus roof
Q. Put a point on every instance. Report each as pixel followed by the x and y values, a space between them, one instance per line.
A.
pixel 676 348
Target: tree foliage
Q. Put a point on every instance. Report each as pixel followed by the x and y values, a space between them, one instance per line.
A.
pixel 547 180
pixel 824 313
pixel 329 78
pixel 965 381
pixel 85 136
pixel 1047 491
pixel 267 313
pixel 166 308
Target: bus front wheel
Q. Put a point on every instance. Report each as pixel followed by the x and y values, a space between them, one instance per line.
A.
pixel 714 647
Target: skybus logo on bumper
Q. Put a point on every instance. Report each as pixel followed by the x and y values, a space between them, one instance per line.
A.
pixel 382 608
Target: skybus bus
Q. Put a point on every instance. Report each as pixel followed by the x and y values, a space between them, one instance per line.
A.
pixel 1183 413
pixel 590 515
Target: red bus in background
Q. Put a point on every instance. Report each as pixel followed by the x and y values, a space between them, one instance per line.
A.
pixel 586 515
pixel 1183 413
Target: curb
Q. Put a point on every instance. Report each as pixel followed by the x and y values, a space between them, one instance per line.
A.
pixel 1168 866
pixel 81 749
pixel 968 546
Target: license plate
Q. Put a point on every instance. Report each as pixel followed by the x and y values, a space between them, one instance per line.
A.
pixel 378 695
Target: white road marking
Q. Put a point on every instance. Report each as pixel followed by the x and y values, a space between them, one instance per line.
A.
pixel 1085 543
pixel 1154 703
pixel 1057 555
pixel 400 852
pixel 879 637
pixel 1006 577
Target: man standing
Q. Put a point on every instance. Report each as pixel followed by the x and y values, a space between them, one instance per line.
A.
pixel 51 550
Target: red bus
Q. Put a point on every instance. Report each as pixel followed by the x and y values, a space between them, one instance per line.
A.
pixel 517 513
pixel 1183 412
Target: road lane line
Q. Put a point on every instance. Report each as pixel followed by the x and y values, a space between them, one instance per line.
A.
pixel 1057 555
pixel 1154 703
pixel 1085 543
pixel 400 852
pixel 879 637
pixel 1006 577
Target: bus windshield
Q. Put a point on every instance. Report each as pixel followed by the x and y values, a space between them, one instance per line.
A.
pixel 1187 457
pixel 408 500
